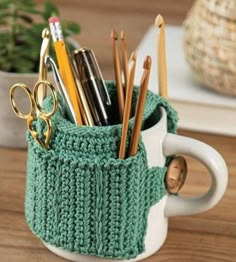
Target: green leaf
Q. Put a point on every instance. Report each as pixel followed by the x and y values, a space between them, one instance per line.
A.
pixel 3 51
pixel 31 10
pixel 24 65
pixel 3 18
pixel 20 29
pixel 50 10
pixel 29 38
pixel 3 22
pixel 4 36
pixel 70 28
pixel 4 4
pixel 25 3
pixel 4 15
pixel 29 52
pixel 5 64
pixel 34 33
pixel 37 29
pixel 26 18
pixel 23 55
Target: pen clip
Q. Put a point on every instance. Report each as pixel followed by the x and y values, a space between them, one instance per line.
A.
pixel 107 97
pixel 106 94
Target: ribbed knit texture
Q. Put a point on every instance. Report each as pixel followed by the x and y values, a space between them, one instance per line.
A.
pixel 81 198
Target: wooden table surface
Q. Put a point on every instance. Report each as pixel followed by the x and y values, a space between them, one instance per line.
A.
pixel 210 236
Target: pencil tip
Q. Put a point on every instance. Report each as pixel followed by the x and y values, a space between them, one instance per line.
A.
pixel 147 62
pixel 114 35
pixel 159 21
pixel 45 33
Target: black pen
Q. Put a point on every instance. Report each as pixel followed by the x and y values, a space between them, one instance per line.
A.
pixel 93 85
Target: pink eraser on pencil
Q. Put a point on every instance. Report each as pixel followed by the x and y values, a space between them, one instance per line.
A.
pixel 53 19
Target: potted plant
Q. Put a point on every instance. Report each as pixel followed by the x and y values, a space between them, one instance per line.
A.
pixel 21 25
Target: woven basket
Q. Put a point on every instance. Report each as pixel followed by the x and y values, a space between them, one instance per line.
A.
pixel 210 43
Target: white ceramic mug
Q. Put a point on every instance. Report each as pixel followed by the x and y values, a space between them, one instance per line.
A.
pixel 160 144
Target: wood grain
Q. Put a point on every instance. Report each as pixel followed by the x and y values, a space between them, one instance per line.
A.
pixel 210 236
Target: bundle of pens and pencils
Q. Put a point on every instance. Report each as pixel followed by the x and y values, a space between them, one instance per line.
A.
pixel 86 91
pixel 81 85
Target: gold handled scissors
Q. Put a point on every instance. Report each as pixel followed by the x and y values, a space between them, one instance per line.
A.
pixel 36 96
pixel 36 111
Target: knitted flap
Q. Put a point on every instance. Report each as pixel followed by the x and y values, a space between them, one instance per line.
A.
pixel 81 198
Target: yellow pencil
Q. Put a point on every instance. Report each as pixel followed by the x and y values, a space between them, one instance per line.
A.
pixel 64 65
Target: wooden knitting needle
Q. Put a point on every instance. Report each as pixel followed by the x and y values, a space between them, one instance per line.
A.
pixel 140 106
pixel 124 59
pixel 161 51
pixel 128 101
pixel 116 59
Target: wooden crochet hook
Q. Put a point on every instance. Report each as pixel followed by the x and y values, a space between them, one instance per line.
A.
pixel 127 109
pixel 116 59
pixel 161 52
pixel 124 60
pixel 140 106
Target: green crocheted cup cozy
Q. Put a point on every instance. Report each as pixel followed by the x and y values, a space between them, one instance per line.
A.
pixel 83 199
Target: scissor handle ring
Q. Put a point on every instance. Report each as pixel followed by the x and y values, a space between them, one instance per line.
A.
pixel 13 103
pixel 54 95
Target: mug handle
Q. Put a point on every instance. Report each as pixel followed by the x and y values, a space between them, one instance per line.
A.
pixel 212 160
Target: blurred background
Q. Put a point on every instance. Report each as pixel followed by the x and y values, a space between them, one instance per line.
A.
pixel 98 18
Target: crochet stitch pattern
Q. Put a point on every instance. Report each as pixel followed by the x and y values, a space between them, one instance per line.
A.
pixel 83 199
